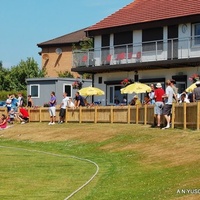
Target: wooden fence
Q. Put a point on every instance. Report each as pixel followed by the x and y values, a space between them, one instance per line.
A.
pixel 183 115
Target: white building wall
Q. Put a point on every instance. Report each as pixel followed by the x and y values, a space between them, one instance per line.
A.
pixel 147 74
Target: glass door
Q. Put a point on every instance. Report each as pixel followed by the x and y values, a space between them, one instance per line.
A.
pixel 114 96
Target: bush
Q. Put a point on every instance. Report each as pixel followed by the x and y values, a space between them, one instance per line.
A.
pixel 4 94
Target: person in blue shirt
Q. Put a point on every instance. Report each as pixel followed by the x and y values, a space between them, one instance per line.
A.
pixel 14 103
pixel 79 100
pixel 52 108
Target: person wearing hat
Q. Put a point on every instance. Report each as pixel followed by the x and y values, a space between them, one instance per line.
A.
pixel 135 101
pixel 196 92
pixel 159 92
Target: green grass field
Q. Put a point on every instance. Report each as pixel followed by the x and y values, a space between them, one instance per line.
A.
pixel 135 162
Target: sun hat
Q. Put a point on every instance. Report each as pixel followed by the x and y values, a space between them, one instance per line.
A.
pixel 173 81
pixel 158 85
pixel 135 97
pixel 197 83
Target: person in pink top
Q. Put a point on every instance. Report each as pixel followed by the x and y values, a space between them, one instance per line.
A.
pixel 3 123
pixel 158 93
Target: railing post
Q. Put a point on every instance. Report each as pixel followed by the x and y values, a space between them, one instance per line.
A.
pixel 172 50
pixel 156 50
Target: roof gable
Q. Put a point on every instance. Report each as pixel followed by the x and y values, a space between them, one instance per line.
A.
pixel 70 38
pixel 141 11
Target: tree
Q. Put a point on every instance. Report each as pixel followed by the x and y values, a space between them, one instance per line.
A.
pixel 4 77
pixel 65 74
pixel 15 78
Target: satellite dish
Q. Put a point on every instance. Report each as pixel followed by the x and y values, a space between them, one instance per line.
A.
pixel 58 51
pixel 45 56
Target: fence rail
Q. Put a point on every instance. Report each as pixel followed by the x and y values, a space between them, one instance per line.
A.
pixel 183 115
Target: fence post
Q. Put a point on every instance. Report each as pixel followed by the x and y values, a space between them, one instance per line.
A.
pixel 129 114
pixel 40 113
pixel 80 114
pixel 145 114
pixel 137 113
pixel 95 114
pixel 198 112
pixel 111 114
pixel 173 114
pixel 29 114
pixel 184 116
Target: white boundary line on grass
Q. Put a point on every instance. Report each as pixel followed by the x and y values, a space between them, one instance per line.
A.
pixel 59 155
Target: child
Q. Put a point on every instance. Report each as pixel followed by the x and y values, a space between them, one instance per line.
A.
pixel 3 123
pixel 12 116
pixel 71 103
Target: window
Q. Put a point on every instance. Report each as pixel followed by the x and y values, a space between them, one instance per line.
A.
pixel 152 39
pixel 122 40
pixel 196 34
pixel 67 89
pixel 35 91
pixel 100 80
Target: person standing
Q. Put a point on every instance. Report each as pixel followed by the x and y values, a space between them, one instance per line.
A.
pixel 63 106
pixel 159 92
pixel 8 103
pixel 20 100
pixel 168 97
pixel 29 101
pixel 152 94
pixel 52 108
pixel 175 89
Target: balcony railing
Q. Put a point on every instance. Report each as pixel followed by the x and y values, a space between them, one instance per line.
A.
pixel 159 50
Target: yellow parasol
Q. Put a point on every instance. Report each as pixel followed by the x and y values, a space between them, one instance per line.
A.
pixel 89 91
pixel 136 88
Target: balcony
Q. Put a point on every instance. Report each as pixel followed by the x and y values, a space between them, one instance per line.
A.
pixel 179 52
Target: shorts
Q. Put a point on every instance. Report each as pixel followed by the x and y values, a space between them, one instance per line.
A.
pixel 158 109
pixel 52 111
pixel 62 112
pixel 167 109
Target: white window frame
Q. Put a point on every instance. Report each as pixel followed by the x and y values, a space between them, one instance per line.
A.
pixel 64 88
pixel 38 86
pixel 195 36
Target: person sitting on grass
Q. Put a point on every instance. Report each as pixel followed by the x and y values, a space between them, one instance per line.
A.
pixel 23 115
pixel 3 122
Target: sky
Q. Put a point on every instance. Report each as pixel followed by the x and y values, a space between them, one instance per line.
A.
pixel 26 23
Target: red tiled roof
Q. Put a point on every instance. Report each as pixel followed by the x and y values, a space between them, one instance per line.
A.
pixel 141 11
pixel 73 37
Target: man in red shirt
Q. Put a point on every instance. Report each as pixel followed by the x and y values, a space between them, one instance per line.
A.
pixel 23 115
pixel 158 93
